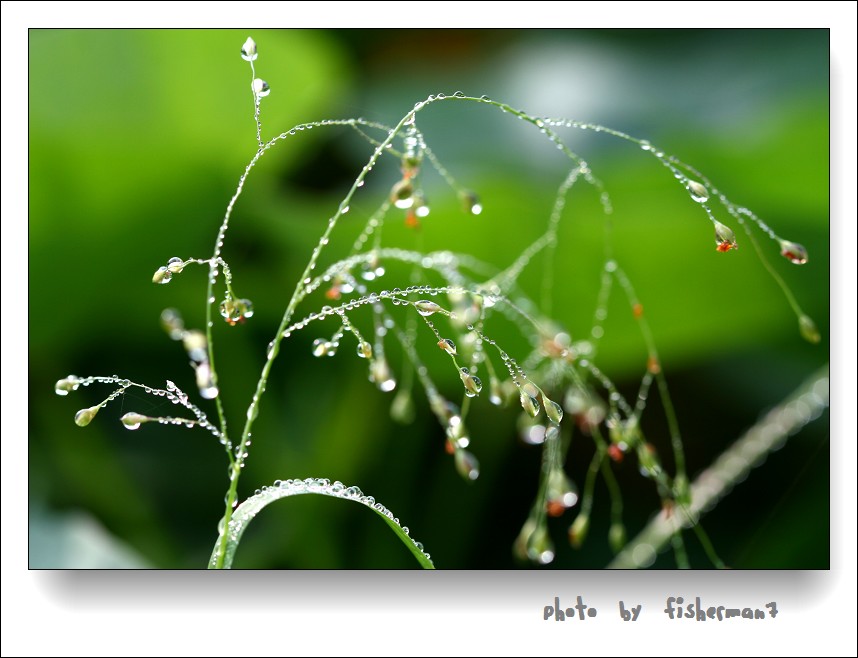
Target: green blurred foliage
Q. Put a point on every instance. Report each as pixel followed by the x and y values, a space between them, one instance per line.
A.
pixel 136 143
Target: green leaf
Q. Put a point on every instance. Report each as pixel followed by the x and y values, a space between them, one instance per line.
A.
pixel 245 513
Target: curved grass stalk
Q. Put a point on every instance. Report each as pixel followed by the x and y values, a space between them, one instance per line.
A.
pixel 224 552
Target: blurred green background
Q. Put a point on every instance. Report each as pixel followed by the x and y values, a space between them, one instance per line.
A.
pixel 136 143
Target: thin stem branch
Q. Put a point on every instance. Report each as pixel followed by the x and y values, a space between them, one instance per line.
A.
pixel 790 416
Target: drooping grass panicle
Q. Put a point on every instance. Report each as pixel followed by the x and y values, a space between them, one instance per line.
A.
pixel 451 303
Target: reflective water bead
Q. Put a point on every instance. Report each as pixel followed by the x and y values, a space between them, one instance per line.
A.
pixel 472 383
pixel 793 252
pixel 175 265
pixel 260 88
pixel 364 350
pixel 530 405
pixel 467 465
pixel 172 323
pixel 725 239
pixel 322 347
pixel 245 307
pixel 698 191
pixel 402 194
pixel 380 375
pixel 133 420
pixel 539 547
pixel 426 308
pixel 162 275
pixel 448 346
pixel 83 417
pixel 470 202
pixel 561 493
pixel 553 410
pixel 64 386
pixel 248 50
pixel 196 345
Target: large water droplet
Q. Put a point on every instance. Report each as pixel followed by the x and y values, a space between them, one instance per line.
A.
pixel 64 386
pixel 260 88
pixel 248 50
pixel 553 410
pixel 793 252
pixel 322 347
pixel 133 420
pixel 530 405
pixel 698 191
pixel 472 383
pixel 83 417
pixel 448 346
pixel 725 239
pixel 561 493
pixel 364 350
pixel 380 375
pixel 162 275
pixel 402 194
pixel 175 265
pixel 426 308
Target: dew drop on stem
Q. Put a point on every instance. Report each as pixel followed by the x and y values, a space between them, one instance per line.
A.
pixel 793 252
pixel 426 308
pixel 698 191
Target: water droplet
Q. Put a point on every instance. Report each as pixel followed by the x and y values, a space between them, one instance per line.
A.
pixel 553 410
pixel 322 347
pixel 561 493
pixel 83 417
pixel 538 546
pixel 426 308
pixel 380 375
pixel 172 323
pixel 530 405
pixel 260 88
pixel 458 94
pixel 472 383
pixel 448 346
pixel 207 388
pixel 470 202
pixel 364 350
pixel 698 191
pixel 175 265
pixel 402 194
pixel 725 239
pixel 162 275
pixel 808 329
pixel 467 465
pixel 132 420
pixel 64 386
pixel 248 50
pixel 793 252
